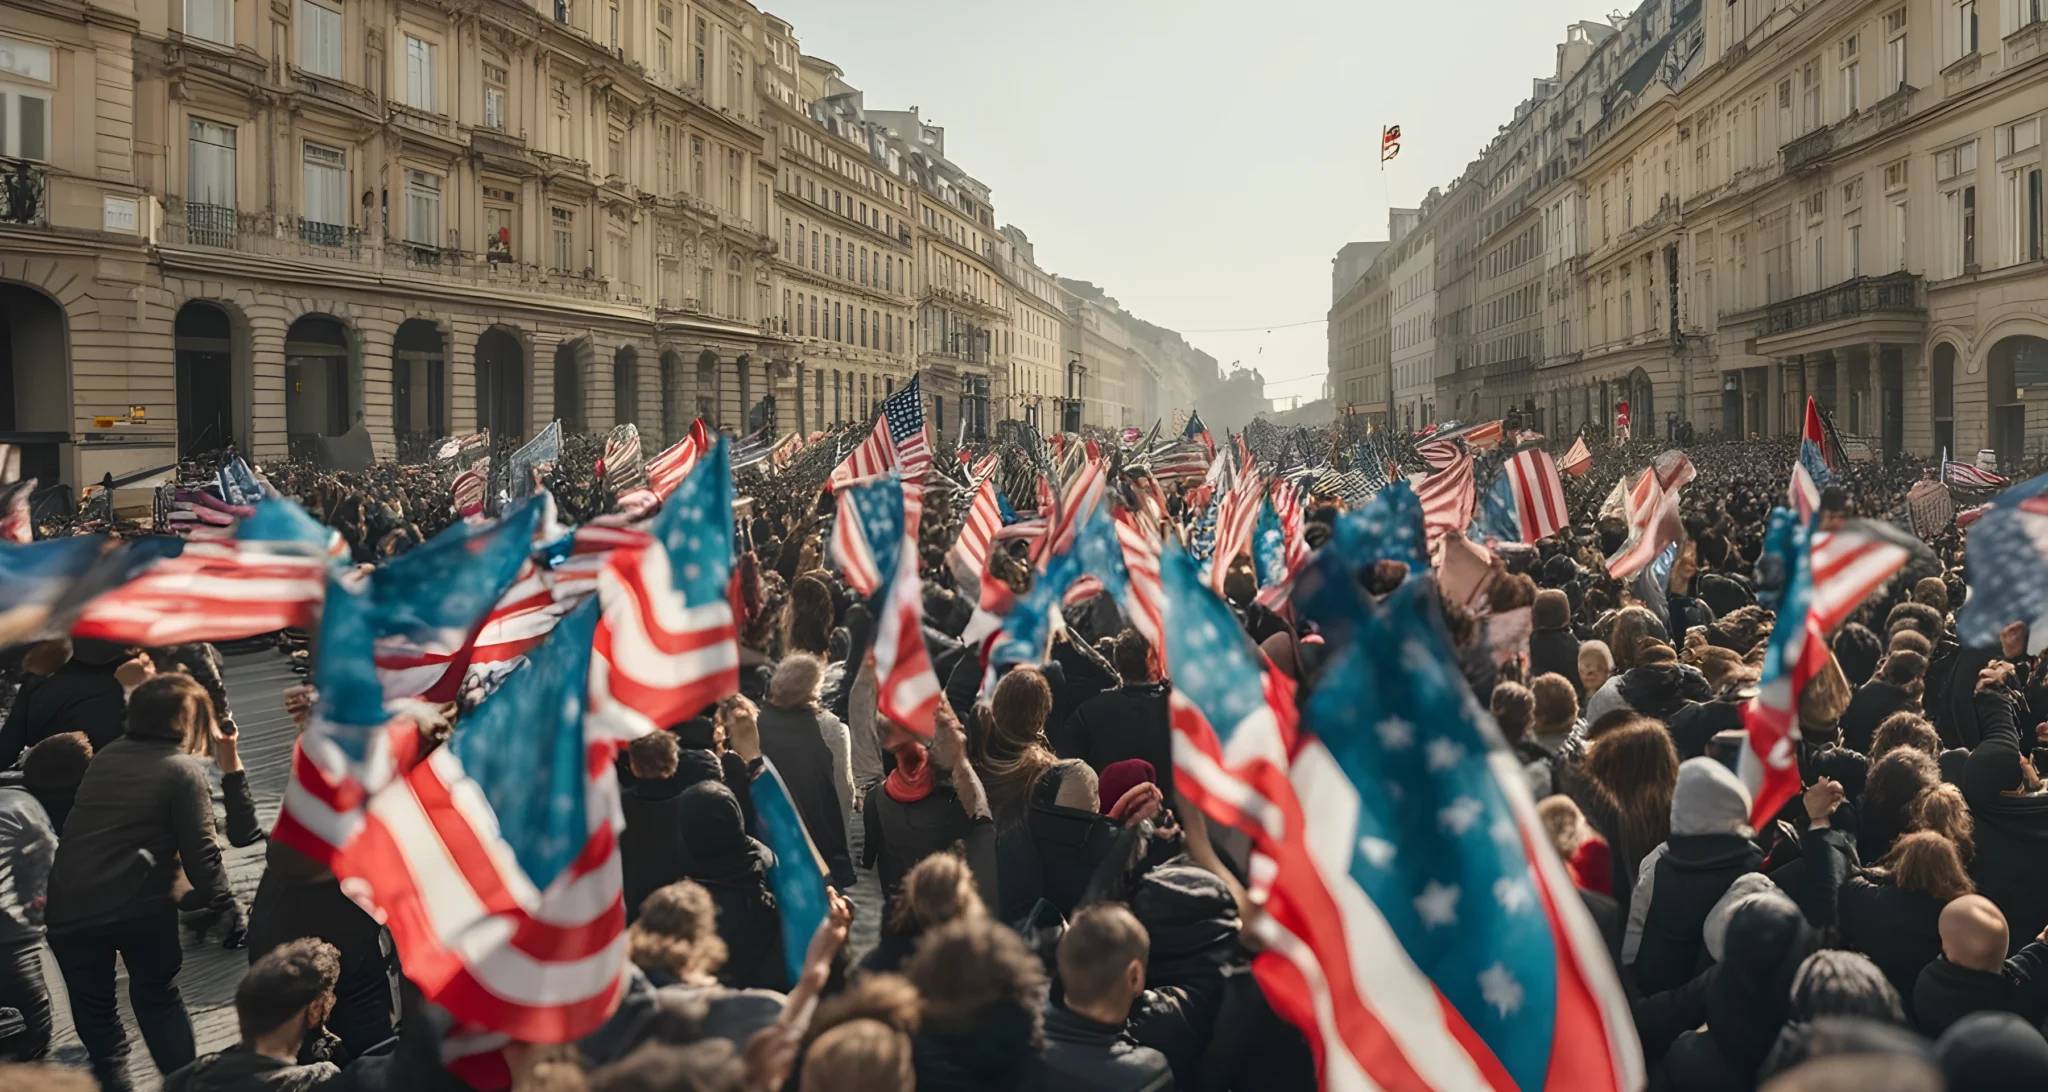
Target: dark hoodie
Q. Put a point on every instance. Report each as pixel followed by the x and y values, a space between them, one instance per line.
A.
pixel 1662 689
pixel 1128 722
pixel 1749 998
pixel 1874 701
pixel 1709 847
pixel 1946 993
pixel 1553 648
pixel 994 1050
pixel 1992 1052
pixel 1082 1055
pixel 734 869
pixel 2012 831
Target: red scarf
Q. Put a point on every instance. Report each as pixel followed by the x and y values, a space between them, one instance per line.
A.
pixel 911 780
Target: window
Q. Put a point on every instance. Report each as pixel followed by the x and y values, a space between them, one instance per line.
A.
pixel 1899 235
pixel 326 196
pixel 1809 84
pixel 1852 99
pixel 25 122
pixel 423 208
pixel 1855 251
pixel 494 96
pixel 1966 28
pixel 615 26
pixel 1895 51
pixel 419 74
pixel 2023 136
pixel 1961 159
pixel 564 223
pixel 2029 12
pixel 697 166
pixel 1961 213
pixel 615 153
pixel 661 56
pixel 319 39
pixel 210 20
pixel 1895 177
pixel 211 165
pixel 501 212
pixel 2023 212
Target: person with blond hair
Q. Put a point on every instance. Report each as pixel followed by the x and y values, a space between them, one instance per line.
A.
pixel 808 746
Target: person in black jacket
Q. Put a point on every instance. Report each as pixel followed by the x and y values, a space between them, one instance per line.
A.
pixel 2011 815
pixel 651 853
pixel 282 1007
pixel 1128 722
pixel 1682 879
pixel 1973 974
pixel 721 858
pixel 70 687
pixel 1659 686
pixel 143 813
pixel 1749 998
pixel 1895 689
pixel 1102 970
pixel 983 1027
pixel 1553 647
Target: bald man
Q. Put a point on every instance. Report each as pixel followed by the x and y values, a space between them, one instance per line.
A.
pixel 1972 973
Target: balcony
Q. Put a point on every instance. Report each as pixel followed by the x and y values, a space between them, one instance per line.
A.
pixel 24 192
pixel 330 236
pixel 1809 149
pixel 1891 294
pixel 421 121
pixel 210 225
pixel 334 91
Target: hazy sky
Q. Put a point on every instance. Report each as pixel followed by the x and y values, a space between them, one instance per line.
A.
pixel 1200 160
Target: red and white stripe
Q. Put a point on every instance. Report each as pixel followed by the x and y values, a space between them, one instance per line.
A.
pixel 1539 495
pixel 656 660
pixel 1438 453
pixel 1141 547
pixel 969 555
pixel 215 590
pixel 1653 525
pixel 1802 494
pixel 1236 518
pixel 1577 459
pixel 1447 499
pixel 1482 437
pixel 1077 501
pixel 906 690
pixel 668 469
pixel 1287 504
pixel 1969 477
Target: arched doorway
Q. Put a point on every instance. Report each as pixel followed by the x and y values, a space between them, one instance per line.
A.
pixel 707 388
pixel 501 384
pixel 35 374
pixel 568 388
pixel 1942 397
pixel 319 384
pixel 1642 409
pixel 419 387
pixel 626 385
pixel 205 354
pixel 672 424
pixel 2016 363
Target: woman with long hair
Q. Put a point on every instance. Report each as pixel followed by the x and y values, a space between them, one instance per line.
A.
pixel 1631 771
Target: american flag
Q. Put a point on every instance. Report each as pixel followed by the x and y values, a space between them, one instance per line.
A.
pixel 1577 459
pixel 1199 432
pixel 1077 498
pixel 623 464
pixel 1539 495
pixel 2007 566
pixel 1438 453
pixel 237 483
pixel 668 469
pixel 524 468
pixel 1482 436
pixel 666 647
pixel 17 522
pixel 1180 459
pixel 1447 498
pixel 45 584
pixel 1969 477
pixel 470 487
pixel 969 554
pixel 1236 515
pixel 1139 538
pixel 1289 503
pixel 1813 446
pixel 1422 934
pixel 873 546
pixel 270 574
pixel 798 875
pixel 897 443
pixel 1827 576
pixel 1653 524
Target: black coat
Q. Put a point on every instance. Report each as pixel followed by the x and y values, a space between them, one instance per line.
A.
pixel 143 814
pixel 1128 722
pixel 1556 651
pixel 901 834
pixel 1695 726
pixel 651 852
pixel 1899 930
pixel 78 697
pixel 1661 690
pixel 796 746
pixel 1874 701
pixel 720 857
pixel 1084 1056
pixel 1688 879
pixel 2012 832
pixel 1749 998
pixel 1945 993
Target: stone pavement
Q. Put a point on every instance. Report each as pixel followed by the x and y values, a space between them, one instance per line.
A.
pixel 256 683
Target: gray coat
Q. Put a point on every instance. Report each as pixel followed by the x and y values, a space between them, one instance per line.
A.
pixel 28 843
pixel 144 810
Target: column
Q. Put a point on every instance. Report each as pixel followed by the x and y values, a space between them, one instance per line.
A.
pixel 1916 401
pixel 266 430
pixel 541 366
pixel 649 417
pixel 597 362
pixel 1774 399
pixel 460 349
pixel 374 370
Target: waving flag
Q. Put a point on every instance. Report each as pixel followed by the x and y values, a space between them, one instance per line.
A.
pixel 1827 576
pixel 872 546
pixel 470 488
pixel 1969 477
pixel 1237 514
pixel 1092 562
pixel 428 602
pixel 238 484
pixel 494 862
pixel 271 575
pixel 1577 459
pixel 532 460
pixel 666 645
pixel 1199 432
pixel 798 875
pixel 897 443
pixel 1497 520
pixel 668 469
pixel 1447 498
pixel 1138 538
pixel 969 553
pixel 1813 446
pixel 1539 495
pixel 44 585
pixel 1653 524
pixel 560 576
pixel 2006 562
pixel 1288 503
pixel 1422 934
pixel 17 523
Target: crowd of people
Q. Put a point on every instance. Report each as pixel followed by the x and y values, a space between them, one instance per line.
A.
pixel 1053 914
